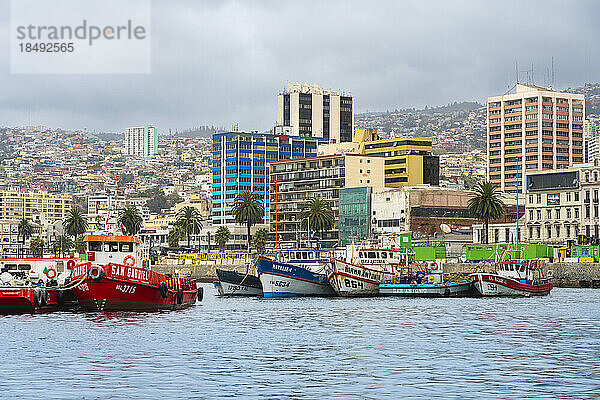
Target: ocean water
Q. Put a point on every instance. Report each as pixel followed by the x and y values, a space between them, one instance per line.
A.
pixel 313 348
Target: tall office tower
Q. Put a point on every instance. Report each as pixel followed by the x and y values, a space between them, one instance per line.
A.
pixel 591 137
pixel 241 162
pixel 316 112
pixel 141 141
pixel 534 129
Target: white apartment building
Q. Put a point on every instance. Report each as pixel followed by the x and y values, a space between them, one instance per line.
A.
pixel 591 135
pixel 534 129
pixel 316 112
pixel 141 141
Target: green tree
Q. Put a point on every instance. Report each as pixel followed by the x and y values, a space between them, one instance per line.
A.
pixel 131 219
pixel 175 235
pixel 486 205
pixel 222 236
pixel 63 243
pixel 36 246
pixel 261 237
pixel 79 244
pixel 75 223
pixel 248 210
pixel 318 215
pixel 25 229
pixel 189 219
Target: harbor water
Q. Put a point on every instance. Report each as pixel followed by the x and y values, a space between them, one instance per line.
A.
pixel 498 348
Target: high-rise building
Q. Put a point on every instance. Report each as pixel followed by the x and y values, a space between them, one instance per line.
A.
pixel 34 206
pixel 591 137
pixel 295 182
pixel 141 141
pixel 534 129
pixel 409 161
pixel 316 112
pixel 241 162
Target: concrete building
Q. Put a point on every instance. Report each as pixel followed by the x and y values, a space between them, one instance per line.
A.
pixel 500 233
pixel 408 161
pixel 141 141
pixel 317 112
pixel 534 129
pixel 553 207
pixel 591 135
pixel 103 210
pixel 295 182
pixel 590 188
pixel 34 206
pixel 199 201
pixel 241 162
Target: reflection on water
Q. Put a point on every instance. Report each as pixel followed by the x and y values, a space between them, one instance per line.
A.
pixel 311 348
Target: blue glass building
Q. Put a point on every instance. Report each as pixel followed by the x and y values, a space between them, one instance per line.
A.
pixel 241 162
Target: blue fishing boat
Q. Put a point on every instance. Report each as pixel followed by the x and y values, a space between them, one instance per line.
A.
pixel 294 273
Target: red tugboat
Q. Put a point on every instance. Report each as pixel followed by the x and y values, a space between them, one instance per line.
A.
pixel 513 278
pixel 32 285
pixel 116 277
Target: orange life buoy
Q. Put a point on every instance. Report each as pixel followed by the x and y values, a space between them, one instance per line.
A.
pixel 70 264
pixel 129 261
pixel 48 271
pixel 433 266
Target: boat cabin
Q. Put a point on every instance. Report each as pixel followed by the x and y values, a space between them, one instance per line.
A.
pixel 117 249
pixel 376 256
pixel 36 269
pixel 521 270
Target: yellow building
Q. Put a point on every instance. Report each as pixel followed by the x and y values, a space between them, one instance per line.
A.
pixel 34 206
pixel 409 161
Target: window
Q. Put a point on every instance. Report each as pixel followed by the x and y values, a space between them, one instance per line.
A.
pixel 568 213
pixel 557 213
pixel 576 212
pixel 531 215
pixel 549 213
pixel 539 214
pixel 539 198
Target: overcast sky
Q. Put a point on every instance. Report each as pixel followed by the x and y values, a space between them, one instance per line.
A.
pixel 223 62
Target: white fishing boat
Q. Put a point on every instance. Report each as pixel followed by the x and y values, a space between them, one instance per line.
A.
pixel 363 269
pixel 513 278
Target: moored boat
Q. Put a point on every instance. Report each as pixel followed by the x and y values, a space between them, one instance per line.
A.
pixel 301 274
pixel 513 278
pixel 364 269
pixel 108 284
pixel 31 285
pixel 232 283
pixel 449 289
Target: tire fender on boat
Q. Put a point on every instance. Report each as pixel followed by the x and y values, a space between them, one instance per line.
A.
pixel 37 297
pixel 179 296
pixel 95 273
pixel 163 289
pixel 447 292
pixel 200 293
pixel 60 297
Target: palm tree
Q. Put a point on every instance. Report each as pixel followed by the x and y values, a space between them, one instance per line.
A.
pixel 36 246
pixel 62 243
pixel 189 219
pixel 175 235
pixel 79 244
pixel 76 223
pixel 248 210
pixel 318 215
pixel 24 230
pixel 261 237
pixel 222 236
pixel 486 205
pixel 131 219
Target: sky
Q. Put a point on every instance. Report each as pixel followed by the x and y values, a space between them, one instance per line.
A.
pixel 224 62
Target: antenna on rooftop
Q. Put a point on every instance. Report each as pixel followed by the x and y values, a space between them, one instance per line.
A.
pixel 552 66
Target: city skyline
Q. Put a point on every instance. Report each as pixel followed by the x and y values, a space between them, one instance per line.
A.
pixel 416 55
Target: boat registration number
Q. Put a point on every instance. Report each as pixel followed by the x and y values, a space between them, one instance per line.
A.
pixel 492 287
pixel 130 289
pixel 354 284
pixel 280 284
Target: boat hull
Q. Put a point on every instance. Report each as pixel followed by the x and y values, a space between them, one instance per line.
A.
pixel 454 289
pixel 495 285
pixel 21 300
pixel 355 280
pixel 125 288
pixel 232 283
pixel 286 280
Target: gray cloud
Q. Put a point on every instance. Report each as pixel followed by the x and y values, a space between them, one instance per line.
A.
pixel 222 62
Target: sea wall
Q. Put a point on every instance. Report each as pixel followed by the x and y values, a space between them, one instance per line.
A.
pixel 562 274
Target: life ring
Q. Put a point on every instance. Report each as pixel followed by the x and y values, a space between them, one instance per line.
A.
pixel 144 263
pixel 51 273
pixel 129 259
pixel 434 266
pixel 70 264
